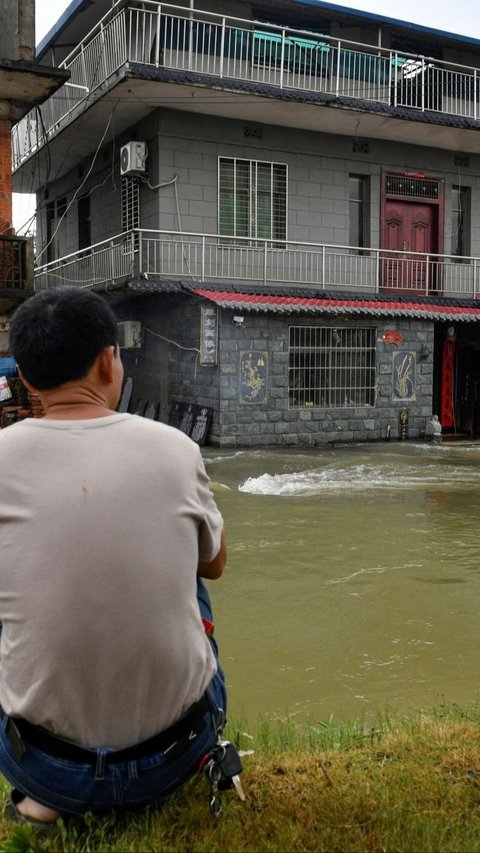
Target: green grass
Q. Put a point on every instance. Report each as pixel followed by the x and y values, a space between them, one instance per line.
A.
pixel 411 784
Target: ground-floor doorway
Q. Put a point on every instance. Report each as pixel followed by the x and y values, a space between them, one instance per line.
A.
pixel 456 397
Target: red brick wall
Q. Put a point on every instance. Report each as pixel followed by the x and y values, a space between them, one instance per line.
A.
pixel 5 176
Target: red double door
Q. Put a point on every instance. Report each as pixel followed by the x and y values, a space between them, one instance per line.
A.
pixel 410 227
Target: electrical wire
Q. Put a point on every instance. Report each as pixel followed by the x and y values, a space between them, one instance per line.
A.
pixel 164 184
pixel 175 344
pixel 187 99
pixel 29 193
pixel 47 150
pixel 84 283
pixel 41 206
pixel 180 228
pixel 174 181
pixel 78 188
pixel 48 166
pixel 169 341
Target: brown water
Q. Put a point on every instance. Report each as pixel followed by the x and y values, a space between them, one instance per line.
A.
pixel 353 579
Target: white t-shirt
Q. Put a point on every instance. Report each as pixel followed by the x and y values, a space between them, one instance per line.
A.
pixel 102 524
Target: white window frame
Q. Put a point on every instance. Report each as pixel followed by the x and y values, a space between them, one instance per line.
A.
pixel 251 230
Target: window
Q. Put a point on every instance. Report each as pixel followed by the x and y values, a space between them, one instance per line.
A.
pixel 50 245
pixel 61 207
pixel 303 55
pixel 252 199
pixel 331 368
pixel 460 221
pixel 84 222
pixel 56 212
pixel 358 210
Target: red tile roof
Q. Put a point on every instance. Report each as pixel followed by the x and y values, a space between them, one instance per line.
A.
pixel 294 304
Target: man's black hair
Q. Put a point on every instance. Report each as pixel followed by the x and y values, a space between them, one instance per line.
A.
pixel 56 335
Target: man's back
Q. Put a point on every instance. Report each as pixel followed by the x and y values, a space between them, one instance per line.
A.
pixel 101 521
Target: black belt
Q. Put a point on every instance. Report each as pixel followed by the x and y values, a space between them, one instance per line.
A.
pixel 189 726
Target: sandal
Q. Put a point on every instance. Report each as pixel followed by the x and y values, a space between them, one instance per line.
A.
pixel 12 813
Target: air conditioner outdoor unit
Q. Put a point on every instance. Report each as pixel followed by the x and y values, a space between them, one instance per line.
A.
pixel 133 156
pixel 129 334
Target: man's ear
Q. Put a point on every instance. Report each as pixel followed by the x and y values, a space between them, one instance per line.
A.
pixel 27 384
pixel 105 364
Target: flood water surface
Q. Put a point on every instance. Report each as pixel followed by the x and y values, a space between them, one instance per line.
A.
pixel 353 578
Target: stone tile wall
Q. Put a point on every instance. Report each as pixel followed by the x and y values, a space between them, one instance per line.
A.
pixel 167 369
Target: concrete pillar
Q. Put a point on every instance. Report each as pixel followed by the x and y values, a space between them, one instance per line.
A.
pixel 17 31
pixel 26 30
pixel 5 176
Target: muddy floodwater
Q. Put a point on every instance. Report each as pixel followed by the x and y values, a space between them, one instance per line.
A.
pixel 353 579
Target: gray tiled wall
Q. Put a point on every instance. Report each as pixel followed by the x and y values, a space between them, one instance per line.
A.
pixel 318 166
pixel 166 369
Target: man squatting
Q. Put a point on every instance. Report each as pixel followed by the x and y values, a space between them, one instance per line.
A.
pixel 110 690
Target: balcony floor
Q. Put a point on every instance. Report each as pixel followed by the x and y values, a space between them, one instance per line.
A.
pixel 139 90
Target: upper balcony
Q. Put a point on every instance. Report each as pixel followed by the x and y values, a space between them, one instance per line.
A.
pixel 140 45
pixel 214 259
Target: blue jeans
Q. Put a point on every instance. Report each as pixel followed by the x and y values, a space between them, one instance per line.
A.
pixel 74 788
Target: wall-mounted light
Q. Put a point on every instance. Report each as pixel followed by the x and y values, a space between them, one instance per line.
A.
pixel 237 320
pixel 424 353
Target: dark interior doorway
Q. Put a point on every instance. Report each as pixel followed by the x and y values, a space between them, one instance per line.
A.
pixel 465 375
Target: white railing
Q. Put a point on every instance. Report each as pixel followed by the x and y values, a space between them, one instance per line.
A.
pixel 212 258
pixel 107 262
pixel 91 65
pixel 168 36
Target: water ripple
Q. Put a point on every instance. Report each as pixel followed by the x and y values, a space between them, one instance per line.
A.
pixel 369 571
pixel 360 477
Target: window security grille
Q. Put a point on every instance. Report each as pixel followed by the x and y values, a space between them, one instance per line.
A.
pixel 411 187
pixel 252 199
pixel 13 266
pixel 331 368
pixel 130 204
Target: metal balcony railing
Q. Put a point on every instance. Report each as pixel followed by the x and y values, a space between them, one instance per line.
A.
pixel 159 35
pixel 215 258
pixel 16 263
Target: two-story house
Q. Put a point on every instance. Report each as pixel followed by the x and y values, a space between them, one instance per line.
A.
pixel 281 199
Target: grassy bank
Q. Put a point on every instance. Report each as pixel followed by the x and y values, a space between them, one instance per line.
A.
pixel 393 785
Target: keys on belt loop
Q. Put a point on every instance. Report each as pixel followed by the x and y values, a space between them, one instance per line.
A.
pixel 223 768
pixel 214 773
